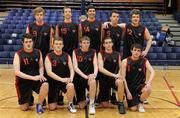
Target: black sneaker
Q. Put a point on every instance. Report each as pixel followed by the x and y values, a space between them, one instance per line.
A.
pixel 121 108
pixel 60 100
pixel 113 99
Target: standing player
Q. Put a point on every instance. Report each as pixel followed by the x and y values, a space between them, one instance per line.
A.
pixel 29 70
pixel 114 31
pixel 92 28
pixel 110 77
pixel 135 33
pixel 85 65
pixel 134 71
pixel 59 67
pixel 41 31
pixel 68 31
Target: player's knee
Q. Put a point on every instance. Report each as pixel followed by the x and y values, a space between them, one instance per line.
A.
pixel 52 107
pixel 45 86
pixel 119 82
pixel 70 86
pixel 92 82
pixel 134 108
pixel 24 107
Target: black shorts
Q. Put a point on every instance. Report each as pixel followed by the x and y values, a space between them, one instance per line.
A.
pixel 80 85
pixel 105 85
pixel 54 89
pixel 24 89
pixel 135 95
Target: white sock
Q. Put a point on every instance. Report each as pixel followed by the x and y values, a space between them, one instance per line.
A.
pixel 91 101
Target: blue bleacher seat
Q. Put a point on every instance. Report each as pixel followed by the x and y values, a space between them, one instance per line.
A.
pixel 11 54
pixel 158 49
pixel 161 56
pixel 167 49
pixel 176 49
pixel 4 54
pixel 7 47
pixel 17 47
pixel 152 56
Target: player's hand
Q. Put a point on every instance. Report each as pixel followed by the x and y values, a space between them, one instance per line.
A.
pixel 42 78
pixel 66 80
pixel 144 53
pixel 116 76
pixel 91 76
pixel 37 78
pixel 129 96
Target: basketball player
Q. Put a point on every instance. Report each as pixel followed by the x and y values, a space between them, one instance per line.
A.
pixel 92 28
pixel 60 70
pixel 114 31
pixel 134 71
pixel 109 63
pixel 68 31
pixel 41 31
pixel 86 68
pixel 29 70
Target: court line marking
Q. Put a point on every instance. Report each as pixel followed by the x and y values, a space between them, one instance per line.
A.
pixel 172 91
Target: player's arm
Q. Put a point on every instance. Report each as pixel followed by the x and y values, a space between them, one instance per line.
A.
pixel 16 65
pixel 95 64
pixel 80 31
pixel 27 29
pixel 152 72
pixel 70 65
pixel 41 65
pixel 102 69
pixel 76 69
pixel 102 32
pixel 57 31
pixel 148 37
pixel 48 67
pixel 123 71
pixel 51 38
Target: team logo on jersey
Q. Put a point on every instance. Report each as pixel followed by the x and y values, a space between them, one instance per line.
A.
pixel 64 63
pixel 117 35
pixel 139 69
pixel 114 60
pixel 139 34
pixel 36 59
pixel 73 31
pixel 90 59
pixel 45 34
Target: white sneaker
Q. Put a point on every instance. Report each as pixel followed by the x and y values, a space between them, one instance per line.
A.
pixel 145 102
pixel 141 108
pixel 92 110
pixel 72 108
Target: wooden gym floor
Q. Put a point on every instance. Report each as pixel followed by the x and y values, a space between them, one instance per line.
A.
pixel 164 101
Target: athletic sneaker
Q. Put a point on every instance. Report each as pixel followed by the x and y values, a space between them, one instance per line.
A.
pixel 72 108
pixel 145 102
pixel 92 110
pixel 121 108
pixel 141 108
pixel 39 109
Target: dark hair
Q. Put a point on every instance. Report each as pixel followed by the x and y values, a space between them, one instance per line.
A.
pixel 114 11
pixel 90 7
pixel 136 45
pixel 28 36
pixel 58 39
pixel 103 41
pixel 135 11
pixel 84 38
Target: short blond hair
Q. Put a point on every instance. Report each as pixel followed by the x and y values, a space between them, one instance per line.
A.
pixel 38 10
